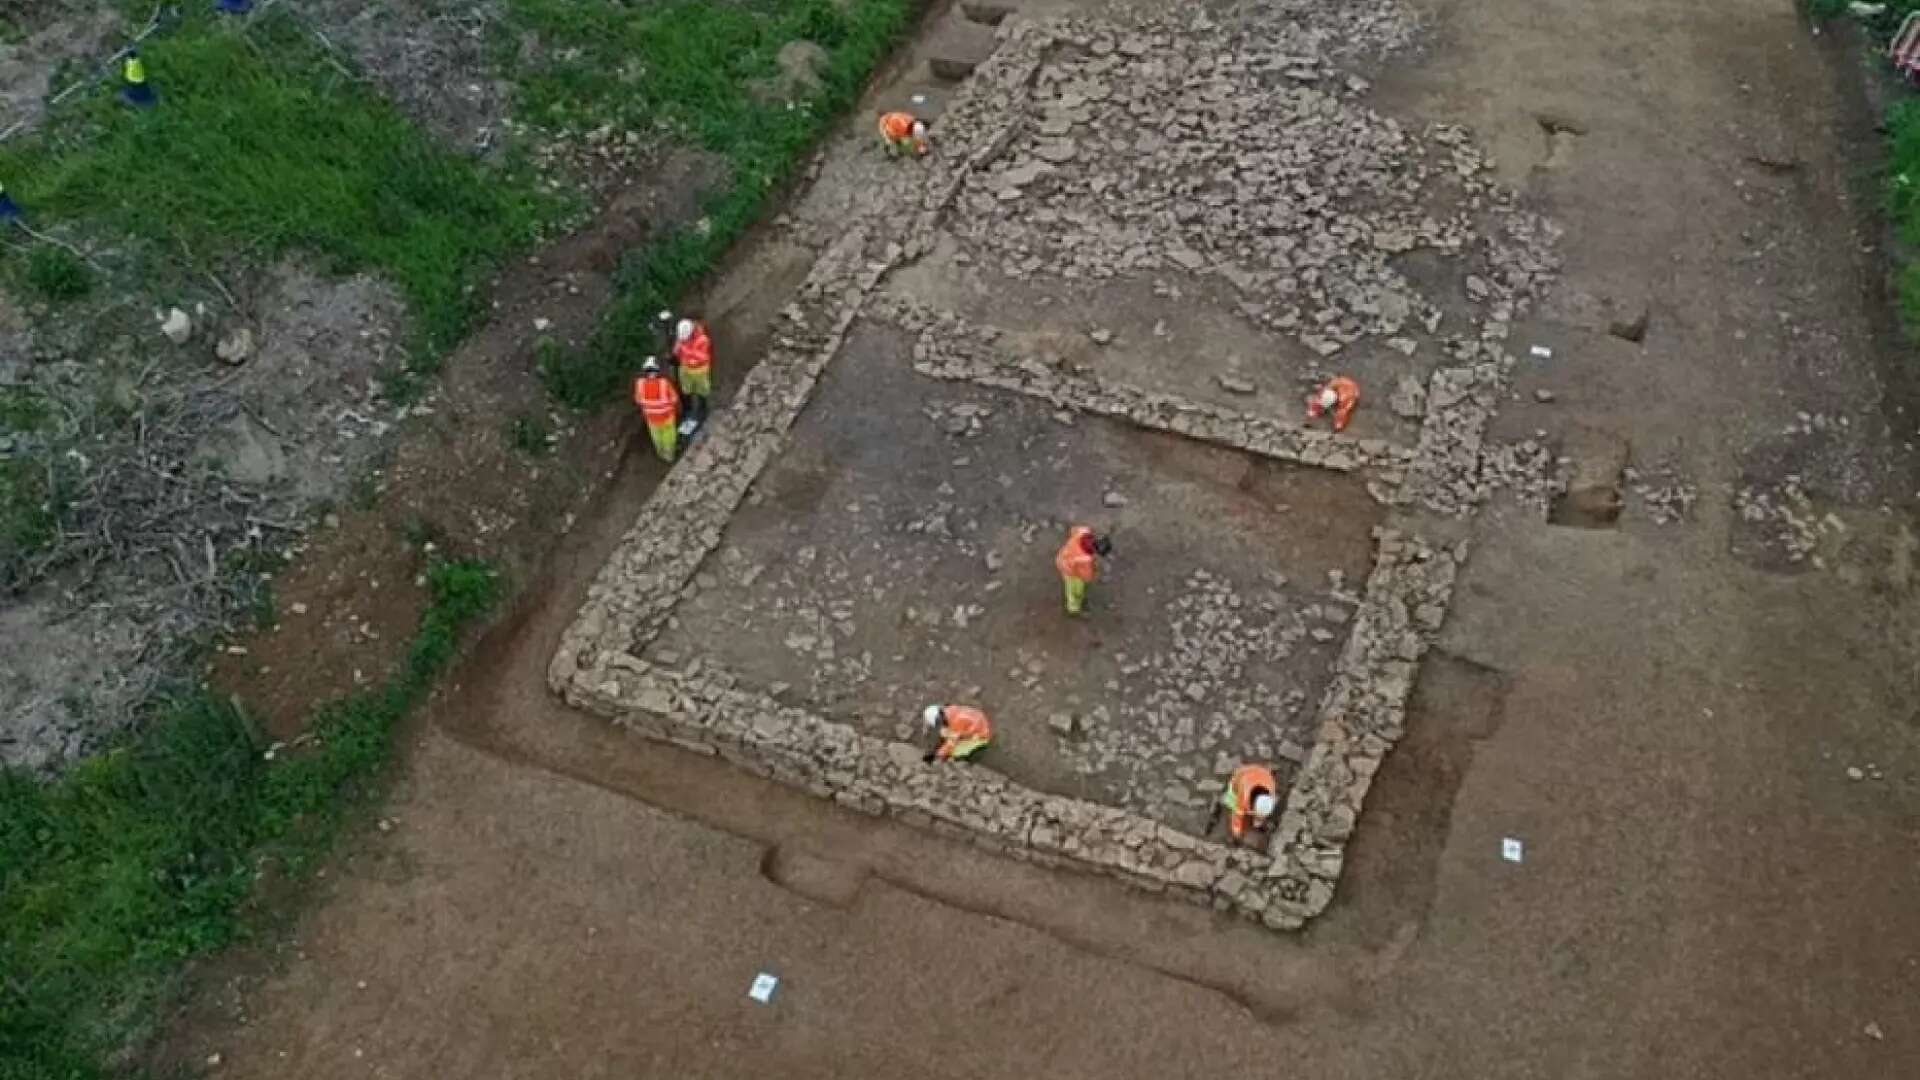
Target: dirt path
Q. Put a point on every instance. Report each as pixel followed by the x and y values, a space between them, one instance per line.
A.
pixel 1665 714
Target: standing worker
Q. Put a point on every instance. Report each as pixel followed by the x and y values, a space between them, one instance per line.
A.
pixel 962 730
pixel 1248 801
pixel 903 133
pixel 136 91
pixel 1339 397
pixel 693 353
pixel 660 404
pixel 1077 564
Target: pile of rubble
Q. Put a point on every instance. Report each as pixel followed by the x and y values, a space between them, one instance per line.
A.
pixel 1667 496
pixel 1785 518
pixel 1170 148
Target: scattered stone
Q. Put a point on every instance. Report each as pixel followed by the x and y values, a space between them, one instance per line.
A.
pixel 1235 385
pixel 1101 336
pixel 1061 723
pixel 541 324
pixel 1634 329
pixel 177 326
pixel 1543 396
pixel 1409 398
pixel 236 347
pixel 1113 500
pixel 1872 1031
pixel 1854 772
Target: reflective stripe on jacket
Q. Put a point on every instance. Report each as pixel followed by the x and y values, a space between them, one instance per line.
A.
pixel 659 402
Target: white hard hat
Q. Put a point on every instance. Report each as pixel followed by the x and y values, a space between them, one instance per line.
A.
pixel 666 316
pixel 919 128
pixel 1328 399
pixel 684 330
pixel 1263 805
pixel 931 714
pixel 650 365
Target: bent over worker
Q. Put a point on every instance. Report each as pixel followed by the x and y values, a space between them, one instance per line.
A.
pixel 962 730
pixel 693 354
pixel 903 133
pixel 660 405
pixel 1078 564
pixel 1339 397
pixel 1248 801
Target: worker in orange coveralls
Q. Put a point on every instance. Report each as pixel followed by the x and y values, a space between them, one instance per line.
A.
pixel 1078 565
pixel 693 354
pixel 660 404
pixel 903 133
pixel 1249 801
pixel 1340 397
pixel 962 730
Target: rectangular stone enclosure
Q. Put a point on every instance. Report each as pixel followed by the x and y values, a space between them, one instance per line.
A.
pixel 868 526
pixel 900 553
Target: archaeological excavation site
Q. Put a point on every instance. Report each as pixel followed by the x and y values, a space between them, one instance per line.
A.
pixel 1088 307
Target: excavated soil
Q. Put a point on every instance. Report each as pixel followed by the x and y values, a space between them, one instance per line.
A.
pixel 900 552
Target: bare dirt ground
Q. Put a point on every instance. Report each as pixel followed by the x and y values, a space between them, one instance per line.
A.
pixel 901 554
pixel 1706 744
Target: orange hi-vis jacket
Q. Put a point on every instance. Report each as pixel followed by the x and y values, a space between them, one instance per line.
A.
pixel 1248 782
pixel 695 353
pixel 1074 560
pixel 962 724
pixel 659 402
pixel 896 126
pixel 1346 394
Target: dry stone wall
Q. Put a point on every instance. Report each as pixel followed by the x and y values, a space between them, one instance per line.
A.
pixel 949 347
pixel 704 708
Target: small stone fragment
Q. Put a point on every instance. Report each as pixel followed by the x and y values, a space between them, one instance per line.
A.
pixel 177 326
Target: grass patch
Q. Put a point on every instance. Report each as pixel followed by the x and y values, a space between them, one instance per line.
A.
pixel 56 274
pixel 258 145
pixel 142 858
pixel 32 489
pixel 528 434
pixel 691 68
pixel 1903 197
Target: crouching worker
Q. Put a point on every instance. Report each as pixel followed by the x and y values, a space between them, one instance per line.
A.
pixel 903 134
pixel 1249 802
pixel 962 730
pixel 1337 399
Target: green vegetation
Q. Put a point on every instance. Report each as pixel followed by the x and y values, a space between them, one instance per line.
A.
pixel 529 432
pixel 1883 23
pixel 144 856
pixel 1903 196
pixel 113 875
pixel 30 494
pixel 56 274
pixel 259 145
pixel 699 71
